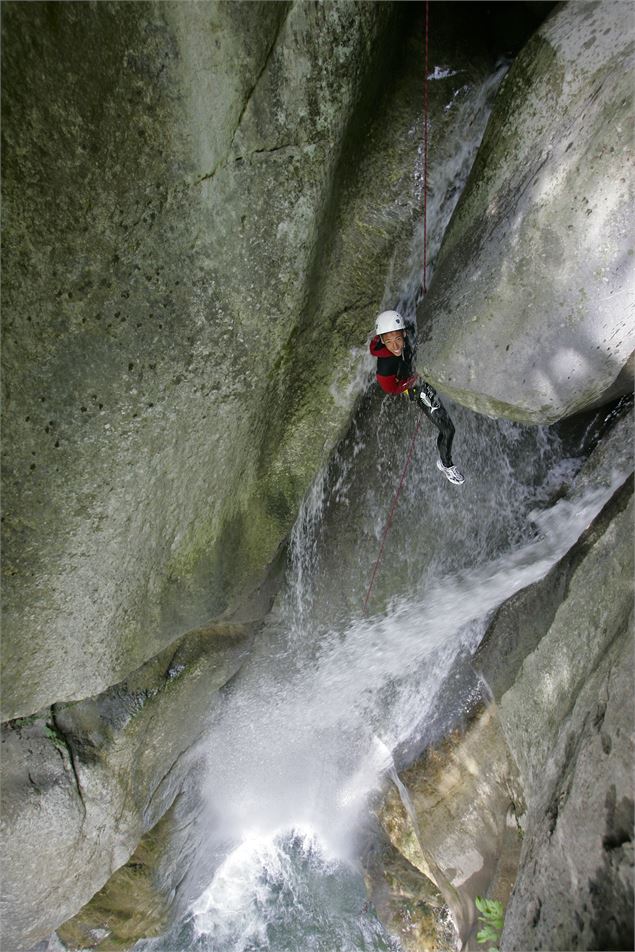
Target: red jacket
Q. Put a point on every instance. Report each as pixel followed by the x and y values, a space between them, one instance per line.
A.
pixel 394 374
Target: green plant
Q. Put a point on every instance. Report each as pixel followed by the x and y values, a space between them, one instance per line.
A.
pixel 53 734
pixel 491 917
pixel 24 721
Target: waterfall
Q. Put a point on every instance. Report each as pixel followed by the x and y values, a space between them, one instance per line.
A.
pixel 306 732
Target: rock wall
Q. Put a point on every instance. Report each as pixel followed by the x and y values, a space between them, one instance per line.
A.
pixel 200 201
pixel 84 781
pixel 168 171
pixel 559 657
pixel 536 794
pixel 530 314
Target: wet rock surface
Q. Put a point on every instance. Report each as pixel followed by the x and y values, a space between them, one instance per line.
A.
pixel 408 902
pixel 528 314
pixel 536 792
pixel 84 781
pixel 159 265
pixel 464 794
pixel 131 905
pixel 568 717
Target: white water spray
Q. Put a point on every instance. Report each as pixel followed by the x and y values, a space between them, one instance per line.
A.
pixel 307 730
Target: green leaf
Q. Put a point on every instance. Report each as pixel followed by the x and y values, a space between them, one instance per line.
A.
pixel 480 903
pixel 487 935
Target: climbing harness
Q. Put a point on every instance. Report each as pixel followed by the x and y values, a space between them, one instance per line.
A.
pixel 395 500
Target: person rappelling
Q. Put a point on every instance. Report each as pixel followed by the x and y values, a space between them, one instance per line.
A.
pixel 394 346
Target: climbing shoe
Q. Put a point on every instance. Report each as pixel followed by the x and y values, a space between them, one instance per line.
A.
pixel 452 473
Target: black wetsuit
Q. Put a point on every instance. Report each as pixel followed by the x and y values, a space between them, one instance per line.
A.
pixel 428 400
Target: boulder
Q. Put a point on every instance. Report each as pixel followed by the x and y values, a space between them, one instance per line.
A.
pixel 84 781
pixel 529 315
pixel 455 819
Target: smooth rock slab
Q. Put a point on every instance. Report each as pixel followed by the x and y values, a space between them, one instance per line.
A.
pixel 575 884
pixel 166 170
pixel 530 314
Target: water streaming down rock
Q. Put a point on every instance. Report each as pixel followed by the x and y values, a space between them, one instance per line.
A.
pixel 318 663
pixel 297 748
pixel 460 908
pixel 297 738
pixel 446 178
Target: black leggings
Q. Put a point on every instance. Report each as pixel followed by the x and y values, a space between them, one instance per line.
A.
pixel 438 415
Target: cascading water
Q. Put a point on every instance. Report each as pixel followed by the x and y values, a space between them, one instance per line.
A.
pixel 308 729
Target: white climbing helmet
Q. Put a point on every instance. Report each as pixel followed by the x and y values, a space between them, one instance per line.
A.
pixel 389 321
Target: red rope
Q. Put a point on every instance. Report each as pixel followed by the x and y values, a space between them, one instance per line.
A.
pixel 395 500
pixel 425 156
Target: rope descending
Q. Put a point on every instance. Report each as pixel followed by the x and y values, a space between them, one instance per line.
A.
pixel 395 500
pixel 425 157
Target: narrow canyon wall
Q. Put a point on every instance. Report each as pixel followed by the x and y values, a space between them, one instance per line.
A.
pixel 167 173
pixel 559 658
pixel 200 204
